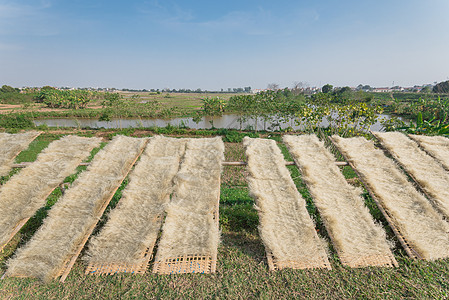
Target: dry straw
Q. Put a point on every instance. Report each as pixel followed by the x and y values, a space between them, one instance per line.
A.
pixel 11 145
pixel 285 227
pixel 437 146
pixel 72 219
pixel 423 228
pixel 425 170
pixel 359 241
pixel 128 238
pixel 190 234
pixel 27 191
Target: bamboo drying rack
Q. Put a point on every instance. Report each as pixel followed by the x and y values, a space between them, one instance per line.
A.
pixel 415 181
pixel 67 266
pixel 430 154
pixel 204 264
pixel 114 268
pixel 360 261
pixel 195 263
pixel 402 240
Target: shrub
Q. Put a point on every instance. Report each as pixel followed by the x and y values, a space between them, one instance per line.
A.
pixel 64 99
pixel 15 121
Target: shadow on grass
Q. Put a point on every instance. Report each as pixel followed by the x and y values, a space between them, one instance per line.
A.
pixel 242 248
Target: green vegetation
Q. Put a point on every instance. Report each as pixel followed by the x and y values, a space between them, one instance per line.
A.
pixel 327 88
pixel 10 95
pixel 430 127
pixel 431 115
pixel 15 121
pixel 442 87
pixel 213 106
pixel 115 105
pixel 270 107
pixel 75 99
pixel 343 110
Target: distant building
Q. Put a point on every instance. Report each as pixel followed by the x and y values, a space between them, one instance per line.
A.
pixel 257 91
pixel 306 91
pixel 382 90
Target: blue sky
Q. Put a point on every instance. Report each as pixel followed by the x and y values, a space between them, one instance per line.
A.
pixel 220 44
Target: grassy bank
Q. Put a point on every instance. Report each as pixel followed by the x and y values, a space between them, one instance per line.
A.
pixel 131 105
pixel 242 270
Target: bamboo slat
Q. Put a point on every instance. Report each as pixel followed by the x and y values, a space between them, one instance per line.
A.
pixel 203 264
pixel 417 163
pixel 286 229
pixel 402 240
pixel 110 269
pixel 350 226
pixel 190 234
pixel 54 248
pixel 67 267
pixel 38 181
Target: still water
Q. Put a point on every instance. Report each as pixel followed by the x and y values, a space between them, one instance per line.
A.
pixel 230 121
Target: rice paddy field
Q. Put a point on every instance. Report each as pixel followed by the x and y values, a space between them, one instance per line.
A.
pixel 242 269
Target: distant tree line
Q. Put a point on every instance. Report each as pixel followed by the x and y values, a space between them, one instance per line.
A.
pixel 246 89
pixel 343 94
pixel 10 95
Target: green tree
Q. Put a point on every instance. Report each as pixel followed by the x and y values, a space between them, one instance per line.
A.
pixel 213 106
pixel 442 87
pixel 344 90
pixel 426 89
pixel 8 89
pixel 343 94
pixel 327 88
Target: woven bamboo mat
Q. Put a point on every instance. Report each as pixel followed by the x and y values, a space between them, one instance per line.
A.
pixel 194 263
pixel 120 267
pixel 203 264
pixel 276 264
pixel 111 269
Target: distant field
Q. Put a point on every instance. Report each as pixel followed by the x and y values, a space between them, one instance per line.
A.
pixel 138 104
pixel 182 100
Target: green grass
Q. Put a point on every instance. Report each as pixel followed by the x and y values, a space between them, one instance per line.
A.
pixel 181 100
pixel 242 270
pixel 36 147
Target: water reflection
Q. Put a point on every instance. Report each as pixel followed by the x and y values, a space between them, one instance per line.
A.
pixel 230 121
